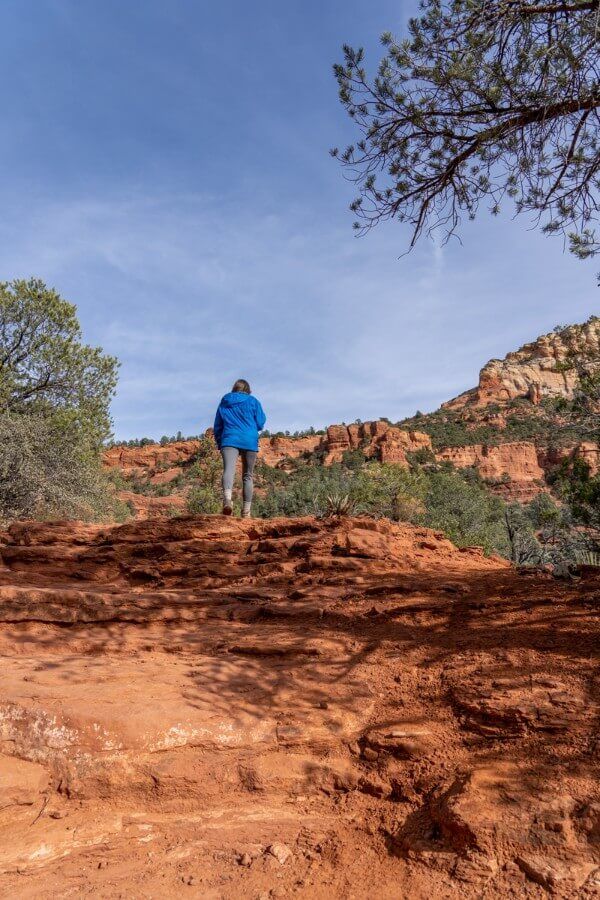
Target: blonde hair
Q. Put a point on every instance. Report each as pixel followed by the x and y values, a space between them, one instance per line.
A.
pixel 241 387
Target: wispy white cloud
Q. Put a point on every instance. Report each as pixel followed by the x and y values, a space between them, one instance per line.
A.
pixel 191 292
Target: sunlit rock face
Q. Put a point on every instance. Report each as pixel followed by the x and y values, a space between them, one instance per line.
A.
pixel 537 370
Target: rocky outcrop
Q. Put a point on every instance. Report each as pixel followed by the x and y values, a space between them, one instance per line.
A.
pixel 512 470
pixel 537 370
pixel 147 460
pixel 588 451
pixel 378 440
pixel 292 707
pixel 144 506
pixel 517 470
pixel 276 449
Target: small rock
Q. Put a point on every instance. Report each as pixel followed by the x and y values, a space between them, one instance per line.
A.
pixel 594 879
pixel 323 704
pixel 245 859
pixel 405 740
pixel 345 781
pixel 281 852
pixel 590 821
pixel 375 786
pixel 475 868
pixel 552 873
pixel 370 754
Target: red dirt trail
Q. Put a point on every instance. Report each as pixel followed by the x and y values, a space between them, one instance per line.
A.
pixel 342 708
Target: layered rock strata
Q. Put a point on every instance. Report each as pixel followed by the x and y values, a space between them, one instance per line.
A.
pixel 309 708
pixel 537 370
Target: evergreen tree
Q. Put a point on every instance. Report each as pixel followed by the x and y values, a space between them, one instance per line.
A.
pixel 484 101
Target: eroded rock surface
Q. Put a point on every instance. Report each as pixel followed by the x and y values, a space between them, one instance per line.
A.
pixel 512 469
pixel 311 708
pixel 537 370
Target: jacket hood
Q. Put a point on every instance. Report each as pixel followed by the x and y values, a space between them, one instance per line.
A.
pixel 234 398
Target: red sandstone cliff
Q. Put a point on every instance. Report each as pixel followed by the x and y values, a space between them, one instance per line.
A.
pixel 379 440
pixel 515 470
pixel 513 467
pixel 535 371
pixel 147 459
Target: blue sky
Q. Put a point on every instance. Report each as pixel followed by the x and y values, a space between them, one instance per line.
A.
pixel 165 166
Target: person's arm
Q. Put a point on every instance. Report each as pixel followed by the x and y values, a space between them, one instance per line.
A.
pixel 259 415
pixel 218 428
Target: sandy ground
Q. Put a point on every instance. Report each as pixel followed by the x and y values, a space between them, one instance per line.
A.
pixel 292 708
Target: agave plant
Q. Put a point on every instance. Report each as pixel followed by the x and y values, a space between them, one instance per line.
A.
pixel 589 558
pixel 339 505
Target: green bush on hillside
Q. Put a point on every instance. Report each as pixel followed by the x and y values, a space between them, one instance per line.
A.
pixel 447 500
pixel 48 470
pixel 540 425
pixel 204 475
pixel 55 393
pixel 574 483
pixel 304 492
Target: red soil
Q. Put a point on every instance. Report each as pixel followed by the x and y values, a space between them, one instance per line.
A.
pixel 334 708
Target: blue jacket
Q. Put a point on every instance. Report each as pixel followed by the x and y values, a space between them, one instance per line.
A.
pixel 239 419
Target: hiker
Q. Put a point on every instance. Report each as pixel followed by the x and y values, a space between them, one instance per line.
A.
pixel 238 420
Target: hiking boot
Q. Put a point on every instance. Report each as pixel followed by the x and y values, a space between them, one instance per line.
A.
pixel 227 509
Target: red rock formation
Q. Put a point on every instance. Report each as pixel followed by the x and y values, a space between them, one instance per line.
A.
pixel 535 371
pixel 515 470
pixel 274 450
pixel 396 443
pixel 588 451
pixel 166 476
pixel 512 469
pixel 144 506
pixel 378 440
pixel 324 707
pixel 145 460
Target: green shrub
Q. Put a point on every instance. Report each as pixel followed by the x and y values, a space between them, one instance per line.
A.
pixel 574 483
pixel 453 502
pixel 204 476
pixel 543 424
pixel 353 459
pixel 203 499
pixel 465 512
pixel 304 492
pixel 49 470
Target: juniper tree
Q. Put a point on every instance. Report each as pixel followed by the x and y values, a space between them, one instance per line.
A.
pixel 485 101
pixel 45 368
pixel 47 471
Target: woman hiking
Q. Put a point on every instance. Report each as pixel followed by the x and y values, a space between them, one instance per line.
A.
pixel 238 420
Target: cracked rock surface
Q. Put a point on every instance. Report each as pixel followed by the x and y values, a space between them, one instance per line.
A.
pixel 292 707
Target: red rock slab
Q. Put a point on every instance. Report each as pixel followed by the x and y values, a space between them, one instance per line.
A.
pixel 87 711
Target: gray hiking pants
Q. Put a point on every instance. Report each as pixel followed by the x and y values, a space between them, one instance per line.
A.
pixel 230 457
